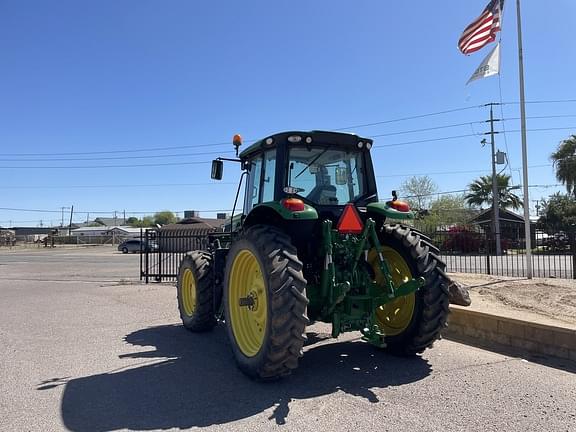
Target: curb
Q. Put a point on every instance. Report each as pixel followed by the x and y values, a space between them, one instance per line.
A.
pixel 487 329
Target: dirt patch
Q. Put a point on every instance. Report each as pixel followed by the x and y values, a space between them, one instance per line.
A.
pixel 553 299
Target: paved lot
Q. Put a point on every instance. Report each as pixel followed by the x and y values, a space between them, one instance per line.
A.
pixel 85 347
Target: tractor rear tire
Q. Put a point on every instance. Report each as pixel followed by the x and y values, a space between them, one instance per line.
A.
pixel 430 302
pixel 265 303
pixel 196 291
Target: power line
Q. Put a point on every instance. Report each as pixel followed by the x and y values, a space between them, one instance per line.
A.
pixel 540 117
pixel 227 143
pixel 106 212
pixel 122 151
pixel 222 210
pixel 431 173
pixel 407 118
pixel 117 157
pixel 230 152
pixel 450 172
pixel 541 102
pixel 120 186
pixel 428 129
pixel 107 166
pixel 468 189
pixel 336 129
pixel 376 147
pixel 459 136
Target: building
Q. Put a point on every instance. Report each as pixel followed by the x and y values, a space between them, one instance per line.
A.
pixel 106 231
pixel 32 234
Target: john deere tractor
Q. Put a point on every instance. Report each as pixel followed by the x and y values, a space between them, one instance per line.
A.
pixel 313 243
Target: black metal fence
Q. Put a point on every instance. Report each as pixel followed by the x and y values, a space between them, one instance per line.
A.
pixel 464 249
pixel 470 251
pixel 160 261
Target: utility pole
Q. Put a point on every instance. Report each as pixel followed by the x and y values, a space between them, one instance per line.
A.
pixel 495 192
pixel 537 206
pixel 62 218
pixel 70 225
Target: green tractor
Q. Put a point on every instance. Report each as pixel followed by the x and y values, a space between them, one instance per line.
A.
pixel 313 243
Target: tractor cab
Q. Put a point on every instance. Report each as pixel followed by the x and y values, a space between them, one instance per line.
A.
pixel 318 168
pixel 310 176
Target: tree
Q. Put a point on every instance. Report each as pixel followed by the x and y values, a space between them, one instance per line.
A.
pixel 165 217
pixel 559 213
pixel 481 192
pixel 133 221
pixel 146 222
pixel 564 160
pixel 445 211
pixel 418 191
pixel 450 209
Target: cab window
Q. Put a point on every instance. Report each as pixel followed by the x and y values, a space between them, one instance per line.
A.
pixel 262 179
pixel 254 182
pixel 268 176
pixel 326 176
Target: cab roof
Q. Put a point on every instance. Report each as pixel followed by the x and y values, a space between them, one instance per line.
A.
pixel 338 139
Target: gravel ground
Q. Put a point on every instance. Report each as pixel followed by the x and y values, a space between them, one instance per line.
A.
pixel 551 299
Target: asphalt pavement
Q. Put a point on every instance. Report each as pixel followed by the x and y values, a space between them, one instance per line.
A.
pixel 87 347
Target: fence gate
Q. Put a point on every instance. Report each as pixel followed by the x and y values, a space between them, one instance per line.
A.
pixel 160 260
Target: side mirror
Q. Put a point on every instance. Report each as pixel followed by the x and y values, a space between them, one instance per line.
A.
pixel 341 176
pixel 217 169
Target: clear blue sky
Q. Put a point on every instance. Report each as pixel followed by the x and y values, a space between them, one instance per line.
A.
pixel 111 76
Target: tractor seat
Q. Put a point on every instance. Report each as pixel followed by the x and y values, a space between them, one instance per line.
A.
pixel 323 195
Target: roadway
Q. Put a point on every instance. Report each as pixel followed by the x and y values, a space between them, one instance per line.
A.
pixel 86 347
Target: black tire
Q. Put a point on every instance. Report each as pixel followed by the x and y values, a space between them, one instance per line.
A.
pixel 124 250
pixel 284 333
pixel 202 318
pixel 431 301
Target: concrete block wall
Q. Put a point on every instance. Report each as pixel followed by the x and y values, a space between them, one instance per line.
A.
pixel 528 336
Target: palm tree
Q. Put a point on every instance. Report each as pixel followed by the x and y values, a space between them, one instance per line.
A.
pixel 564 160
pixel 481 192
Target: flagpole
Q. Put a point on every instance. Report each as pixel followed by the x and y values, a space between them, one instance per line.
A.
pixel 524 151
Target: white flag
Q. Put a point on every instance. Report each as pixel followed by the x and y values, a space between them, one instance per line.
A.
pixel 489 66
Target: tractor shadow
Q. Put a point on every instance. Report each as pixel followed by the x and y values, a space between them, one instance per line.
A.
pixel 199 385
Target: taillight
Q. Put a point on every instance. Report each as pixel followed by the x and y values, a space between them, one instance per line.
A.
pixel 399 205
pixel 293 204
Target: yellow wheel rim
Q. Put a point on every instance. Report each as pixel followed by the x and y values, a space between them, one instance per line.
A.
pixel 246 286
pixel 394 317
pixel 188 291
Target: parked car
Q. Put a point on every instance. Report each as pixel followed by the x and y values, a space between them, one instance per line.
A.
pixel 137 246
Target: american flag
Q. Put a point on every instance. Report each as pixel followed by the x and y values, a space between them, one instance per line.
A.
pixel 484 28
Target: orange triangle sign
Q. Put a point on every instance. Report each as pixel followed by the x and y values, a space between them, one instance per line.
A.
pixel 350 222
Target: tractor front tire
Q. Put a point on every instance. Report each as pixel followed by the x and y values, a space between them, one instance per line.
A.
pixel 196 292
pixel 265 303
pixel 412 255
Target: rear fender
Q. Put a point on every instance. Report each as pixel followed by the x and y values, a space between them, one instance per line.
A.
pixel 384 210
pixel 274 213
